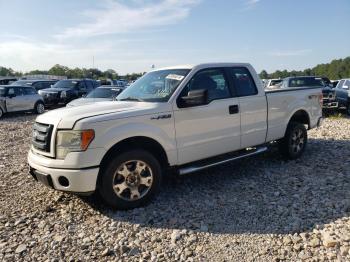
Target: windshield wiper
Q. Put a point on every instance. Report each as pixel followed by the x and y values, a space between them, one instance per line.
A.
pixel 130 98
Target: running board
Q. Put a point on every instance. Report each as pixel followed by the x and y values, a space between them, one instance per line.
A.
pixel 198 166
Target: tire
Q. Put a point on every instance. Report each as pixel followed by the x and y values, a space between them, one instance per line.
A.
pixel 123 186
pixel 293 145
pixel 1 113
pixel 39 108
pixel 348 109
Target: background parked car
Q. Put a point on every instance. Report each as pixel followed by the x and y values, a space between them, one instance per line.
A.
pixel 20 98
pixel 37 84
pixel 100 94
pixel 7 80
pixel 343 94
pixel 329 97
pixel 65 91
pixel 111 82
pixel 273 83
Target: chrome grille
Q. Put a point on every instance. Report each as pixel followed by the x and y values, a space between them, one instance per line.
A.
pixel 42 136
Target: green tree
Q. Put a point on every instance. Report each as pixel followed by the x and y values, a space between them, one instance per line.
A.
pixel 263 74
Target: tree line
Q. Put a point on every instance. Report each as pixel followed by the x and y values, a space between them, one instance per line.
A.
pixel 59 70
pixel 336 69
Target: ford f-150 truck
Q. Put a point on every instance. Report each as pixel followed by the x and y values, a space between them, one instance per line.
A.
pixel 178 119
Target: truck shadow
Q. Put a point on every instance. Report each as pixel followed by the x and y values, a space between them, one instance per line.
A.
pixel 263 194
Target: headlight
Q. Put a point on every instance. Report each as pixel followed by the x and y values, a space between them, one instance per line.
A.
pixel 73 141
pixel 63 94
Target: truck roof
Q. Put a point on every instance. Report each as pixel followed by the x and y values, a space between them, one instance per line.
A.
pixel 203 65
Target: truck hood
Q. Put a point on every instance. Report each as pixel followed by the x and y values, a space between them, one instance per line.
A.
pixel 85 101
pixel 66 117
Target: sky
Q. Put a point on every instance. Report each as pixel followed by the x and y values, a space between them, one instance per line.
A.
pixel 132 35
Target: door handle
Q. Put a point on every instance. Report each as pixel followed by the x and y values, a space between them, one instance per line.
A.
pixel 234 109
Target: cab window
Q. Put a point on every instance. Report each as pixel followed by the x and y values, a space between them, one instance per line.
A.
pixel 212 80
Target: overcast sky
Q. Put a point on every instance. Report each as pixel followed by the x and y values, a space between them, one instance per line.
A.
pixel 130 36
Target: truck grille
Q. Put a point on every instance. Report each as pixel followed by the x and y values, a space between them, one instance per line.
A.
pixel 42 136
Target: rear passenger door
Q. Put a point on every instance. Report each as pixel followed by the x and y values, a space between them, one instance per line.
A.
pixel 30 96
pixel 252 107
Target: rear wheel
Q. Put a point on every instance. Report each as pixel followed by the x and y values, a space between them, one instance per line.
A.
pixel 130 179
pixel 39 107
pixel 1 113
pixel 294 142
pixel 348 109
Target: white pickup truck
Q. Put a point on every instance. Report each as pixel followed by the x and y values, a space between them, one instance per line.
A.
pixel 182 119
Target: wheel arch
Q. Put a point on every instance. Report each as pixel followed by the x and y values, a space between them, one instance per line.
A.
pixel 300 116
pixel 137 142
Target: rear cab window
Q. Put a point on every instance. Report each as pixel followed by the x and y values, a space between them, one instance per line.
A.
pixel 243 82
pixel 306 81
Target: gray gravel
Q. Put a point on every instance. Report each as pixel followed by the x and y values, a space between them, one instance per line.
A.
pixel 258 209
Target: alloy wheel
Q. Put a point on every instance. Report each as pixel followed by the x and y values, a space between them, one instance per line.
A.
pixel 297 141
pixel 40 108
pixel 132 180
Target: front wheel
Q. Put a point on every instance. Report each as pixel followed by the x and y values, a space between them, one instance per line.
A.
pixel 39 107
pixel 348 109
pixel 1 113
pixel 130 179
pixel 294 142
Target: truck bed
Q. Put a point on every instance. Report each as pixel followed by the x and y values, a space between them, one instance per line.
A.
pixel 283 103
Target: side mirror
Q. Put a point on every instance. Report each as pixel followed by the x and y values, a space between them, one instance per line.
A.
pixel 345 87
pixel 194 98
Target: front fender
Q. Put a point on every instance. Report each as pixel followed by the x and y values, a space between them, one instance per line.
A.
pixel 107 135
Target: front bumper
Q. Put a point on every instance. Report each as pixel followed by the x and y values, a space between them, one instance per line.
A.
pixel 327 104
pixel 69 180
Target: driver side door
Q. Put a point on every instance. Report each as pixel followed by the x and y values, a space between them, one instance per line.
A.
pixel 15 100
pixel 211 129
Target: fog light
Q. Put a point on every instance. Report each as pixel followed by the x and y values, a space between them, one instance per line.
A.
pixel 63 181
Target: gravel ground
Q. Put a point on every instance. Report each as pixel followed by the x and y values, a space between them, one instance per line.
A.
pixel 257 209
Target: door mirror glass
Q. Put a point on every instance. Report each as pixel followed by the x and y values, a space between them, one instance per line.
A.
pixel 194 98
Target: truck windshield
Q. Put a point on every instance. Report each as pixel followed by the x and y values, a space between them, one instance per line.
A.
pixel 22 83
pixel 65 84
pixel 2 91
pixel 156 86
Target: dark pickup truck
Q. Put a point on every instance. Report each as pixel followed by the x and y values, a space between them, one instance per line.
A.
pixel 65 91
pixel 329 99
